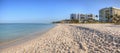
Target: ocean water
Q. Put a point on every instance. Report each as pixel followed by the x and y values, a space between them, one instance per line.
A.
pixel 11 31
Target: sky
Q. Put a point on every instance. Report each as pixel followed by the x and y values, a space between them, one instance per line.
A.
pixel 46 11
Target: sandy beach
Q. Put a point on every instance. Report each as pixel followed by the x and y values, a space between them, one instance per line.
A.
pixel 73 38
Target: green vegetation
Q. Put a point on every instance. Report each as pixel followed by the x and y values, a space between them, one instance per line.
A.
pixel 90 20
pixel 56 22
pixel 74 21
pixel 108 17
pixel 113 19
pixel 116 19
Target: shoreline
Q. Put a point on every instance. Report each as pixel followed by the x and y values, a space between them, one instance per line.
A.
pixel 22 40
pixel 72 38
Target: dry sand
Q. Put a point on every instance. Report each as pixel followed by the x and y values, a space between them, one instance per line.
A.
pixel 73 38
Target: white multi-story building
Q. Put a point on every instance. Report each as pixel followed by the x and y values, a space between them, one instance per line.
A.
pixel 82 17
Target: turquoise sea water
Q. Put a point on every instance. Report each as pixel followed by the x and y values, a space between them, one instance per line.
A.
pixel 11 31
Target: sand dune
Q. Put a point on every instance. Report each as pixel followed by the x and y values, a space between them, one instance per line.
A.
pixel 73 38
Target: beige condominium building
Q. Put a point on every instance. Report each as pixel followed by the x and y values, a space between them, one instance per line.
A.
pixel 103 13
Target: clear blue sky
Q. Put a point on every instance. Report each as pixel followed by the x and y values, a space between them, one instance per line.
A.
pixel 45 11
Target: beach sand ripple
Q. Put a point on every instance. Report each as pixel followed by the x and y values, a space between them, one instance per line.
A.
pixel 73 38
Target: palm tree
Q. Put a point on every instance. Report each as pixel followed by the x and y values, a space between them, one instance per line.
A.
pixel 108 17
pixel 96 16
pixel 116 19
